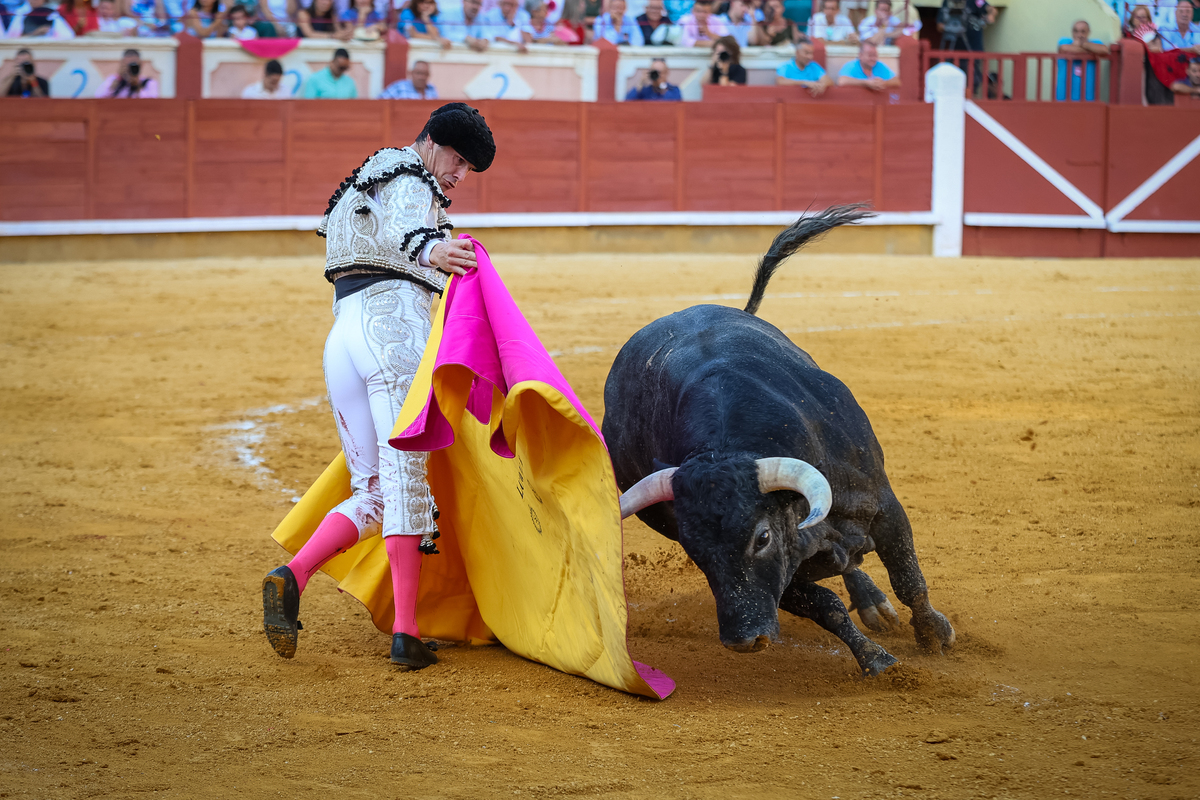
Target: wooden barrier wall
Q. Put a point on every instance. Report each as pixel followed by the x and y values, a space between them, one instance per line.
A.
pixel 112 159
pixel 1106 152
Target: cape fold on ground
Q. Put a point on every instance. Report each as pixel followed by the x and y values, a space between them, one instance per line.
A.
pixel 530 515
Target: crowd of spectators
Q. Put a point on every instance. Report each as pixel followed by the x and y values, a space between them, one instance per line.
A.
pixel 1172 38
pixel 477 24
pixel 724 29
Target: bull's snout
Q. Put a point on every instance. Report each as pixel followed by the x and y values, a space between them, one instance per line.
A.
pixel 748 645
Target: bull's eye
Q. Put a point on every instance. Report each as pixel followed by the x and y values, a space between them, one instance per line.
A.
pixel 763 539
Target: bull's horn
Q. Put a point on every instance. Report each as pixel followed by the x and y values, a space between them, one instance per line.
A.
pixel 798 476
pixel 654 488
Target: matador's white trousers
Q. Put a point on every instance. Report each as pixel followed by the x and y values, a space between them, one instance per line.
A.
pixel 371 356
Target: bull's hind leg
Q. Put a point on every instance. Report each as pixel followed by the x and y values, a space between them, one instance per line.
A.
pixel 872 605
pixel 825 608
pixel 894 544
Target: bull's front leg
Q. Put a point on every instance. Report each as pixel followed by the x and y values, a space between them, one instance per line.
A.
pixel 809 600
pixel 872 605
pixel 894 544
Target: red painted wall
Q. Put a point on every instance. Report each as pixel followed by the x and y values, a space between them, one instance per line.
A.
pixel 1106 152
pixel 112 159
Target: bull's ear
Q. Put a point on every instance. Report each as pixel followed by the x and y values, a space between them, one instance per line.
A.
pixel 654 462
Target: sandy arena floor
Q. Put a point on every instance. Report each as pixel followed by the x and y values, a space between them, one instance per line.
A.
pixel 1040 421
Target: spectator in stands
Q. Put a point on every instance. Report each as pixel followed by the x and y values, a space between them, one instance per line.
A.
pixel 961 23
pixel 569 28
pixel 883 28
pixel 364 22
pixel 505 23
pixel 832 25
pixel 804 71
pixel 128 81
pixel 332 82
pixel 725 66
pixel 151 17
pixel 415 87
pixel 701 27
pixel 279 14
pixel 239 24
pixel 655 24
pixel 318 21
pixel 205 19
pixel 270 87
pixel 1141 26
pixel 25 81
pixel 654 84
pixel 1185 35
pixel 35 18
pixel 420 21
pixel 465 25
pixel 617 26
pixel 867 71
pixel 109 22
pixel 1079 42
pixel 79 15
pixel 591 10
pixel 540 29
pixel 738 20
pixel 1188 85
pixel 775 28
pixel 855 10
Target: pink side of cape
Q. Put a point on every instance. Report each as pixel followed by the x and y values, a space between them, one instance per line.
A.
pixel 486 332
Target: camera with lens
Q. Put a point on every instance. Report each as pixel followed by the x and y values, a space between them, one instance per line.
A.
pixel 135 68
pixel 654 76
pixel 724 56
pixel 27 67
pixel 954 21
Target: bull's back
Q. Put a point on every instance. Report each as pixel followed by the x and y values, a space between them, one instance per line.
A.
pixel 717 377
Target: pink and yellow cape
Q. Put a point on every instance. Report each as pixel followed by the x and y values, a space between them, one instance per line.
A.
pixel 530 514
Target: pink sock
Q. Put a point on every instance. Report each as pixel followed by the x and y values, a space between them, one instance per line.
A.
pixel 405 560
pixel 336 534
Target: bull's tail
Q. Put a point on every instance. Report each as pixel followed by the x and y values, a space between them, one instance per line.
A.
pixel 801 232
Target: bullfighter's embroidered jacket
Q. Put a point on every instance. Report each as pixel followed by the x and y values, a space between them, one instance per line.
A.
pixel 382 217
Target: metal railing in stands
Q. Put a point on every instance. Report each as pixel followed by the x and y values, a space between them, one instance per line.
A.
pixel 1034 77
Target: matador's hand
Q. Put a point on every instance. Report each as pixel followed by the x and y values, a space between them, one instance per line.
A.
pixel 456 255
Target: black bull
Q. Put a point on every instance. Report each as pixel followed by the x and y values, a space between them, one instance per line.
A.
pixel 712 391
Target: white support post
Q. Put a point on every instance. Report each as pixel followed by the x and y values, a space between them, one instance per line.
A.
pixel 946 88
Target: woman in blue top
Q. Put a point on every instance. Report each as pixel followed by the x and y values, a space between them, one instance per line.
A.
pixel 363 21
pixel 206 19
pixel 422 23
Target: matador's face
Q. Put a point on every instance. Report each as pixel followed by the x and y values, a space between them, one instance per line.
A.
pixel 447 166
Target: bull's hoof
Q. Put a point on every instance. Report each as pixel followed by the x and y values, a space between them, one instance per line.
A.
pixel 881 617
pixel 933 631
pixel 878 663
pixel 750 645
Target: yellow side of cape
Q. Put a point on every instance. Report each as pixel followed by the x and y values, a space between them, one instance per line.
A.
pixel 531 545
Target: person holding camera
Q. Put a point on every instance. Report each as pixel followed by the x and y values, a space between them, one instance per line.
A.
pixel 654 84
pixel 128 82
pixel 961 23
pixel 25 83
pixel 725 68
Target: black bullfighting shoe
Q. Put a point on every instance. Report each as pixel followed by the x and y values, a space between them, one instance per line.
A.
pixel 411 652
pixel 281 607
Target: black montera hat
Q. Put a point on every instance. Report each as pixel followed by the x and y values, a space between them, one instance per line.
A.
pixel 459 126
